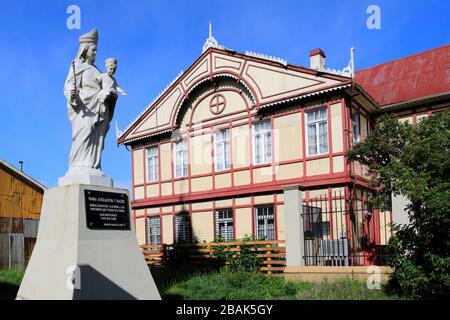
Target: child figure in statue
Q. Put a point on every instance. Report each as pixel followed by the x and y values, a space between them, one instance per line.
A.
pixel 108 83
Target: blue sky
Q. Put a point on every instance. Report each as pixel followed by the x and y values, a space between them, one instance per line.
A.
pixel 155 40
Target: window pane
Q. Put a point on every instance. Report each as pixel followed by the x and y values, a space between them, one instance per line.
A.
pixel 312 140
pixel 265 228
pixel 262 142
pixel 182 228
pixel 323 137
pixel 224 225
pixel 356 126
pixel 154 230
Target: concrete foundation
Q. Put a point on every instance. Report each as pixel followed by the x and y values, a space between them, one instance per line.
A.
pixel 317 273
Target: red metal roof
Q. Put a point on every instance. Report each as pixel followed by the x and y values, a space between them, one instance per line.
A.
pixel 413 77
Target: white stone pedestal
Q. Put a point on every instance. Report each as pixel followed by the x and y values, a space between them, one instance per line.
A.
pixel 72 261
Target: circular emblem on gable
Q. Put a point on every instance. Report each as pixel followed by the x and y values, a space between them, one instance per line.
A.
pixel 217 104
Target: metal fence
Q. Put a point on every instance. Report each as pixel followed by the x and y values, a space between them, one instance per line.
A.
pixel 342 229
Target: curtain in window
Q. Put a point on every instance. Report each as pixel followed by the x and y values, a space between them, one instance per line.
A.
pixel 323 137
pixel 312 139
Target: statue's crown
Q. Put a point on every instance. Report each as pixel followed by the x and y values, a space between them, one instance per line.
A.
pixel 89 37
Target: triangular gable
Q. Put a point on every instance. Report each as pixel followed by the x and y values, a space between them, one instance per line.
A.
pixel 268 81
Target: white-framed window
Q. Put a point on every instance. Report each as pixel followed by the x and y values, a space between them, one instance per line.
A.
pixel 262 142
pixel 183 231
pixel 222 149
pixel 153 230
pixel 264 223
pixel 224 225
pixel 317 132
pixel 356 120
pixel 152 164
pixel 180 156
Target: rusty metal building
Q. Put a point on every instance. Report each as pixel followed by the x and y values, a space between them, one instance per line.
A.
pixel 20 208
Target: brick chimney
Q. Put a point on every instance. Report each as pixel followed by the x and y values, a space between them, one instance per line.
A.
pixel 317 59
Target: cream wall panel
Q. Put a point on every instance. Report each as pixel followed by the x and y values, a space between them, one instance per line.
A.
pixel 153 211
pixel 165 161
pixel 287 128
pixel 280 197
pixel 138 166
pixel 181 186
pixel 289 171
pixel 201 160
pixel 152 190
pixel 234 103
pixel 318 166
pixel 336 128
pixel 140 212
pixel 275 82
pixel 338 164
pixel 166 188
pixel 243 222
pixel 263 199
pixel 318 193
pixel 243 201
pixel 139 193
pixel 201 184
pixel 242 178
pixel 140 230
pixel 263 174
pixel 224 203
pixel 202 205
pixel 223 180
pixel 280 222
pixel 241 146
pixel 167 209
pixel 203 226
pixel 167 229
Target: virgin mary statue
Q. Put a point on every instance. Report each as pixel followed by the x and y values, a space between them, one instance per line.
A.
pixel 90 121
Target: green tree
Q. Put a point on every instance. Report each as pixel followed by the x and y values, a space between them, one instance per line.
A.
pixel 415 162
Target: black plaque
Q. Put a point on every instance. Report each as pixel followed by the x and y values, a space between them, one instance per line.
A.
pixel 106 210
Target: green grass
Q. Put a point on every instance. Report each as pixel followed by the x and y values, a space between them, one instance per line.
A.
pixel 9 283
pixel 255 286
pixel 227 285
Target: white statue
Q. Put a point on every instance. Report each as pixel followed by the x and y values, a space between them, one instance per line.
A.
pixel 90 103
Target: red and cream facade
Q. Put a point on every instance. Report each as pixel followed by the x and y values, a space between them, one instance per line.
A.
pixel 216 148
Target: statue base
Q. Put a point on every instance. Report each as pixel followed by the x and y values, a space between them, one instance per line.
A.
pixel 82 175
pixel 86 248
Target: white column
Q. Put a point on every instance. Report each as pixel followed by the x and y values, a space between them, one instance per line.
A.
pixel 295 244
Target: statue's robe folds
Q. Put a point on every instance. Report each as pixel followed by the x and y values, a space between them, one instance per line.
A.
pixel 90 118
